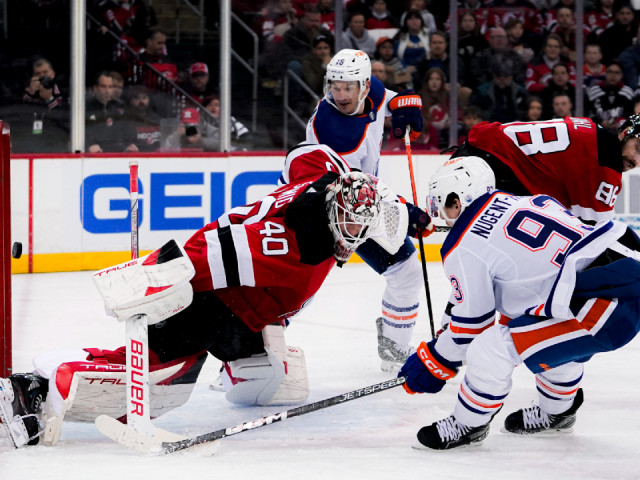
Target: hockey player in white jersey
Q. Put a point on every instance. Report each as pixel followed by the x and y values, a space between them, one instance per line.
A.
pixel 564 291
pixel 350 119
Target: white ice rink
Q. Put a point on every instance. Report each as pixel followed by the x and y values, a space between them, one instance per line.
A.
pixel 369 438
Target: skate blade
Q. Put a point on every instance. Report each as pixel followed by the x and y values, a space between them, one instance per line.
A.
pixel 546 433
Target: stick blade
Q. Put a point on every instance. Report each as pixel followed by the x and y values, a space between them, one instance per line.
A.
pixel 141 443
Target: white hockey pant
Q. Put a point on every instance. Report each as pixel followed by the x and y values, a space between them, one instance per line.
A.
pixel 400 300
pixel 491 359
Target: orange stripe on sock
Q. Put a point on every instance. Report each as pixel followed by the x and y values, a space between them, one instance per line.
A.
pixel 398 317
pixel 553 390
pixel 475 402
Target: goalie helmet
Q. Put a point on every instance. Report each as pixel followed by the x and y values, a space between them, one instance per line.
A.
pixel 348 65
pixel 353 207
pixel 467 177
pixel 630 128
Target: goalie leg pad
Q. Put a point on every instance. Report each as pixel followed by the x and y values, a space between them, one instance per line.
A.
pixel 156 285
pixel 276 377
pixel 81 388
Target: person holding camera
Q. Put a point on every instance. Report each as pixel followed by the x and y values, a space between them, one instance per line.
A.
pixel 192 134
pixel 42 88
pixel 40 122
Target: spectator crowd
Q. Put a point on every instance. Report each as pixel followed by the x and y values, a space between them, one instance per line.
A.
pixel 516 61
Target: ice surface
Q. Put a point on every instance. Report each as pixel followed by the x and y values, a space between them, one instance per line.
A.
pixel 369 438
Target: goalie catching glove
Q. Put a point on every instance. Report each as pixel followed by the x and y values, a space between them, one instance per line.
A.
pixel 419 221
pixel 426 371
pixel 406 112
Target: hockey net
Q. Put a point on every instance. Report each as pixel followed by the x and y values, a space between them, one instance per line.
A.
pixel 5 253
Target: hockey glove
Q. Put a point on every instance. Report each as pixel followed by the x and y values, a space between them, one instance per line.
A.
pixel 406 111
pixel 426 371
pixel 419 221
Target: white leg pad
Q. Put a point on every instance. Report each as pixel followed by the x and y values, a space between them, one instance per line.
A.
pixel 277 377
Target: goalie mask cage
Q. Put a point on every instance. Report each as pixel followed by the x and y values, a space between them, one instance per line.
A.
pixel 5 253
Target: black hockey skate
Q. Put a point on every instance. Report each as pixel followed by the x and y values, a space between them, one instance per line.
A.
pixel 390 352
pixel 21 398
pixel 532 420
pixel 449 433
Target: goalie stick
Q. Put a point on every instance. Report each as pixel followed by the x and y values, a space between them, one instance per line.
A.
pixel 161 444
pixel 407 144
pixel 137 336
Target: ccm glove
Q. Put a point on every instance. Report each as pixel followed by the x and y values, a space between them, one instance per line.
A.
pixel 426 371
pixel 406 111
pixel 419 221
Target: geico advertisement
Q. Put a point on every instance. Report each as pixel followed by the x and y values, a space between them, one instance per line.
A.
pixel 69 213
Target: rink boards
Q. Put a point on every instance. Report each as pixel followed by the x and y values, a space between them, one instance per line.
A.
pixel 71 212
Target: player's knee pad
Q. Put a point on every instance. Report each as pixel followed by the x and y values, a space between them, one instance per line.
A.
pixel 81 389
pixel 156 285
pixel 276 377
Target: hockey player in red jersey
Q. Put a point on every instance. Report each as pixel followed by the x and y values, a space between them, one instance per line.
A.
pixel 572 159
pixel 229 292
pixel 565 290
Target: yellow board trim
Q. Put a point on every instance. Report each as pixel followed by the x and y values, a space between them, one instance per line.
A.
pixel 73 262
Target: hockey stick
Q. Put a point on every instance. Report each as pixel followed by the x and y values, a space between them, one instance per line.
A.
pixel 137 336
pixel 129 437
pixel 407 144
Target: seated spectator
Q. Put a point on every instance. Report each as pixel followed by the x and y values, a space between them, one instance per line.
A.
pixel 515 39
pixel 397 74
pixel 327 16
pixel 593 69
pixel 314 64
pixel 379 71
pixel 559 83
pixel 599 18
pixel 438 57
pixel 533 110
pixel 274 20
pixel 498 51
pixel 40 122
pixel 427 17
pixel 412 41
pixel 435 103
pixel 193 135
pixel 501 100
pixel 296 43
pixel 565 28
pixel 143 118
pixel 539 70
pixel 562 105
pixel 105 129
pixel 630 59
pixel 470 40
pixel 129 19
pixel 621 34
pixel 610 102
pixel 154 54
pixel 471 116
pixel 239 133
pixel 357 37
pixel 380 16
pixel 198 85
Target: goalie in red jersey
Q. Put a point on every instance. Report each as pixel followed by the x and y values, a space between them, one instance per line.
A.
pixel 571 159
pixel 229 292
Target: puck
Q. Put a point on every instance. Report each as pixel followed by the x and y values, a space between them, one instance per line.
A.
pixel 16 250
